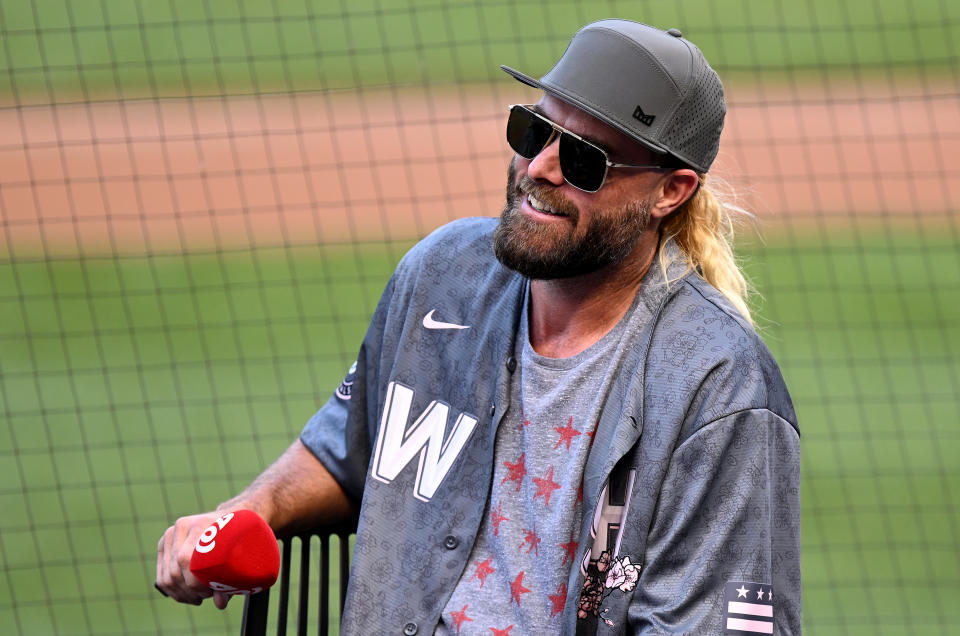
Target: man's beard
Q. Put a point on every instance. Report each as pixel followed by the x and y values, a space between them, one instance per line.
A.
pixel 546 251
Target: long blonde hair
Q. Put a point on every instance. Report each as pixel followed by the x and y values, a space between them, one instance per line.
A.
pixel 703 229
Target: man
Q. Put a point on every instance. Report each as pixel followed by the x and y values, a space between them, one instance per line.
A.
pixel 563 422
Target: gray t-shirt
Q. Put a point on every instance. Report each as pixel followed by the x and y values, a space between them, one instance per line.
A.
pixel 516 579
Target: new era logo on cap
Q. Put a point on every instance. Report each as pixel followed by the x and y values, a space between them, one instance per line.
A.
pixel 749 608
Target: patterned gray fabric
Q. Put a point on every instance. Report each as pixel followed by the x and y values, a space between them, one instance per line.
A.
pixel 698 436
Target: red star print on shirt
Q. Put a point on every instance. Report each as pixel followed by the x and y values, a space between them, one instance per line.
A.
pixel 531 539
pixel 483 570
pixel 592 435
pixel 569 551
pixel 567 433
pixel 501 632
pixel 460 617
pixel 545 487
pixel 558 599
pixel 496 516
pixel 516 588
pixel 517 471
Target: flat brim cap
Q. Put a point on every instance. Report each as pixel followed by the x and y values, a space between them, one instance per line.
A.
pixel 652 85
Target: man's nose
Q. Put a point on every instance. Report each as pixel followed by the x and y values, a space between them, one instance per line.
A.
pixel 546 165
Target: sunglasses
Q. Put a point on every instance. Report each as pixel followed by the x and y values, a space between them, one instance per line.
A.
pixel 583 164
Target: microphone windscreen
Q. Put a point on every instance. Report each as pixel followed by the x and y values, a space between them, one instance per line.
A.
pixel 237 554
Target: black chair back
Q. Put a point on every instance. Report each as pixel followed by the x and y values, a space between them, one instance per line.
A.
pixel 255 608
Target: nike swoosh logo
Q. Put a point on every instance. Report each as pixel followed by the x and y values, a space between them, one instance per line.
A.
pixel 430 323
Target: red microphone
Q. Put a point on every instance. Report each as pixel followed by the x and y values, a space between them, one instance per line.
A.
pixel 237 554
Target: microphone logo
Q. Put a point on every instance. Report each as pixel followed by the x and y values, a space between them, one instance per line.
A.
pixel 229 590
pixel 206 542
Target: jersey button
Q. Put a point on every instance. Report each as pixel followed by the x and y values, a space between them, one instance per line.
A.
pixel 451 542
pixel 511 364
pixel 493 409
pixel 410 629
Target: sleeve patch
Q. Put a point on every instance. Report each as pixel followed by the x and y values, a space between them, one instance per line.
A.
pixel 345 390
pixel 749 607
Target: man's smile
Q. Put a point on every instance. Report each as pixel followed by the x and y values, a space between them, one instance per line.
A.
pixel 542 207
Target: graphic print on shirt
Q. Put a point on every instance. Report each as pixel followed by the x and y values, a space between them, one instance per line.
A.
pixel 608 572
pixel 516 588
pixel 558 600
pixel 496 518
pixel 545 487
pixel 459 618
pixel 518 471
pixel 531 540
pixel 397 446
pixel 567 433
pixel 484 569
pixel 569 550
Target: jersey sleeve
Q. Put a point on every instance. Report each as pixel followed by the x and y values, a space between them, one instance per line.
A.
pixel 723 550
pixel 339 433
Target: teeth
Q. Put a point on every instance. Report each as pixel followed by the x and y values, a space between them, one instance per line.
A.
pixel 540 206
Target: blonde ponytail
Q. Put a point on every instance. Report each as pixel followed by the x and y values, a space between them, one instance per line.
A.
pixel 703 229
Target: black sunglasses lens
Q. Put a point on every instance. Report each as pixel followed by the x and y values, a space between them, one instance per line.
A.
pixel 583 165
pixel 527 134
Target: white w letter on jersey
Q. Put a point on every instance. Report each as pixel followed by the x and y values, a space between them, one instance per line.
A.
pixel 396 445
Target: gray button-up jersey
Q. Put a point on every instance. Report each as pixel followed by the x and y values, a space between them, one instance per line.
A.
pixel 691 489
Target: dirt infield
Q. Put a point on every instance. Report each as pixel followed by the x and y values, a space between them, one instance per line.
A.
pixel 169 175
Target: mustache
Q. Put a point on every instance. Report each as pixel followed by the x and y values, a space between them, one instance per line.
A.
pixel 547 194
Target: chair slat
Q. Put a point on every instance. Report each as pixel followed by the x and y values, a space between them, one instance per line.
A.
pixel 324 591
pixel 304 591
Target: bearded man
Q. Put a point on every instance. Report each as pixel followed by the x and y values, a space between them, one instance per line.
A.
pixel 562 421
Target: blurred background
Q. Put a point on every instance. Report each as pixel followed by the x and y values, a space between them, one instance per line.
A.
pixel 200 202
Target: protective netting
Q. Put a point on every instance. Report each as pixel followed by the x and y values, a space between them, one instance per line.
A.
pixel 200 202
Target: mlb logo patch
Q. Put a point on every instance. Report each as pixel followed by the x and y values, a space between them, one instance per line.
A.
pixel 749 607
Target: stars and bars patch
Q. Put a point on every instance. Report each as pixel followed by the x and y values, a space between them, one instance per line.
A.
pixel 749 607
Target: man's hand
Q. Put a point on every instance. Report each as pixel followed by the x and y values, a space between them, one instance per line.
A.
pixel 295 492
pixel 173 561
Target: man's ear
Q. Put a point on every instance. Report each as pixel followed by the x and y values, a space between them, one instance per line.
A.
pixel 675 188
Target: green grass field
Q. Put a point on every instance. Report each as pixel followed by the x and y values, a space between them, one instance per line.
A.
pixel 867 328
pixel 137 390
pixel 62 51
pixel 866 325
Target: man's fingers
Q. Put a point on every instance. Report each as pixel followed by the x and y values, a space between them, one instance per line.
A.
pixel 220 600
pixel 160 570
pixel 164 579
pixel 189 589
pixel 174 551
pixel 182 561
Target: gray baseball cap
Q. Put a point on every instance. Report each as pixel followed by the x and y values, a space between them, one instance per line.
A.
pixel 654 86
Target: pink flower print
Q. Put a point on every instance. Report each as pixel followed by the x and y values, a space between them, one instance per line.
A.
pixel 622 575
